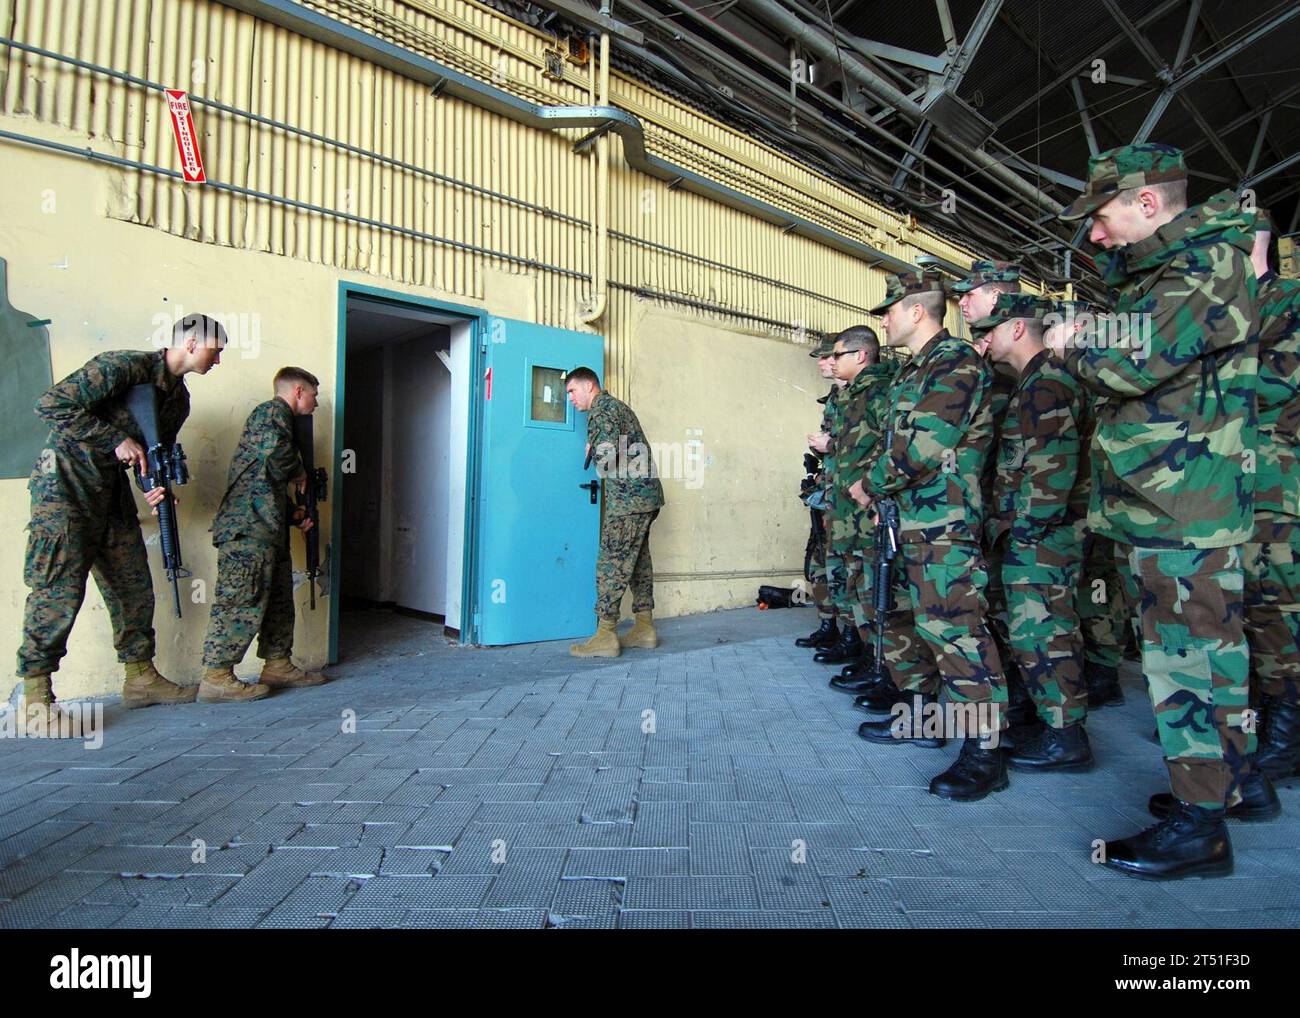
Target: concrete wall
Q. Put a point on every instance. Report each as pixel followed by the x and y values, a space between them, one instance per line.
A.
pixel 108 285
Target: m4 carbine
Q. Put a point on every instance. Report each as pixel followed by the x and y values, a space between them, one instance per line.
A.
pixel 164 468
pixel 315 492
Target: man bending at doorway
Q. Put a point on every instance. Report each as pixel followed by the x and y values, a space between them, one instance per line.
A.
pixel 254 594
pixel 633 498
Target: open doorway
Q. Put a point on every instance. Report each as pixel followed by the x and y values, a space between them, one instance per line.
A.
pixel 401 490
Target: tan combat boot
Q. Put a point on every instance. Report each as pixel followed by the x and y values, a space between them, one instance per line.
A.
pixel 603 644
pixel 145 687
pixel 642 634
pixel 280 673
pixel 219 685
pixel 37 716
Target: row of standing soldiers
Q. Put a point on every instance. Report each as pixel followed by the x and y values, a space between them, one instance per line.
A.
pixel 1075 471
pixel 84 522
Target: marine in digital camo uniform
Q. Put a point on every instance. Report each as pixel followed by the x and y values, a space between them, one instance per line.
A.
pixel 84 518
pixel 980 290
pixel 633 496
pixel 254 590
pixel 941 425
pixel 1040 503
pixel 860 428
pixel 1173 485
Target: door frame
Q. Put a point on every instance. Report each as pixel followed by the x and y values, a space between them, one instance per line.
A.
pixel 477 319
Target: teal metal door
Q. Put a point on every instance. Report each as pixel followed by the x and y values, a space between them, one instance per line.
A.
pixel 537 525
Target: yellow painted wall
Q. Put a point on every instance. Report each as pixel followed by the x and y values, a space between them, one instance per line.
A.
pixel 124 245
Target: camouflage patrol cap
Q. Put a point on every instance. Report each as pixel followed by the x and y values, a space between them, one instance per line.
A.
pixel 1120 169
pixel 982 272
pixel 823 347
pixel 906 284
pixel 1011 306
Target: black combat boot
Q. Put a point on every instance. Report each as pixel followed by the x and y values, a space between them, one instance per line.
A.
pixel 881 699
pixel 1052 749
pixel 848 647
pixel 1258 800
pixel 1103 685
pixel 907 729
pixel 1278 755
pixel 979 770
pixel 860 678
pixel 1020 710
pixel 825 635
pixel 1190 841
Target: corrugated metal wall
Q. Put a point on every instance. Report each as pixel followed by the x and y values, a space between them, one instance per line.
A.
pixel 718 256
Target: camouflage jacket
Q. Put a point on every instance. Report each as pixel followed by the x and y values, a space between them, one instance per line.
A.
pixel 88 419
pixel 621 454
pixel 1277 481
pixel 942 419
pixel 832 404
pixel 1170 463
pixel 1035 494
pixel 255 503
pixel 864 405
pixel 1004 385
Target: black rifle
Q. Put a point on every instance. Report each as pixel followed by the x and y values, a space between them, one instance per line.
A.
pixel 164 468
pixel 812 466
pixel 315 491
pixel 886 553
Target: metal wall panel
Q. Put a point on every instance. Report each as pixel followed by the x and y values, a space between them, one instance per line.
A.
pixel 224 55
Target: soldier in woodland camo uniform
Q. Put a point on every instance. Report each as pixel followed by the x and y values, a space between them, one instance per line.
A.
pixel 1040 501
pixel 633 497
pixel 1104 618
pixel 860 428
pixel 1173 476
pixel 84 517
pixel 824 585
pixel 941 425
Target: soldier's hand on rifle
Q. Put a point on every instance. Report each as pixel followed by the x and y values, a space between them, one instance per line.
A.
pixel 154 497
pixel 820 441
pixel 859 494
pixel 300 484
pixel 131 453
pixel 305 524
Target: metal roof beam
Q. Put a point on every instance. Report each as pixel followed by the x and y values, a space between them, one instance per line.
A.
pixel 1086 62
pixel 1088 132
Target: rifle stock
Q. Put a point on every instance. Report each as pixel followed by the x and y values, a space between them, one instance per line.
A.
pixel 166 467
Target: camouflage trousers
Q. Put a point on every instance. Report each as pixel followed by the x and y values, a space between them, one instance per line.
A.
pixel 848 564
pixel 62 550
pixel 1272 595
pixel 254 597
pixel 937 635
pixel 1041 581
pixel 624 561
pixel 996 616
pixel 1197 665
pixel 817 571
pixel 1100 605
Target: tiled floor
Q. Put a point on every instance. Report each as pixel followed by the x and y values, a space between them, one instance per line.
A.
pixel 715 782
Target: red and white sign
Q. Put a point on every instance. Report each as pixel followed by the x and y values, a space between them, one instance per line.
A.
pixel 187 141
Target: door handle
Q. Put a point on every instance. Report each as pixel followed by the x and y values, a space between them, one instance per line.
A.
pixel 594 488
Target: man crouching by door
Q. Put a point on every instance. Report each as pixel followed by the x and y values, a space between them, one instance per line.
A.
pixel 633 498
pixel 254 595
